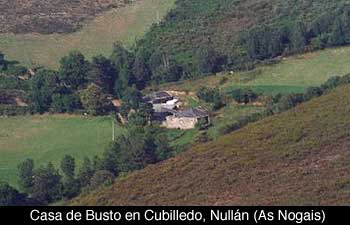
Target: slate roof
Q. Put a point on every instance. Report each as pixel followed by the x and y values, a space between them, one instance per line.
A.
pixel 157 95
pixel 193 112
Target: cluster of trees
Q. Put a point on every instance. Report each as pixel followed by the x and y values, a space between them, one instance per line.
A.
pixel 244 95
pixel 329 29
pixel 139 147
pixel 211 95
pixel 80 84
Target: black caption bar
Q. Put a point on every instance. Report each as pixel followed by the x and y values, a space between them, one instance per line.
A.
pixel 175 215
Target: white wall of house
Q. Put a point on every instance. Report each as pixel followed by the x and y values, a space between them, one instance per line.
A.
pixel 183 123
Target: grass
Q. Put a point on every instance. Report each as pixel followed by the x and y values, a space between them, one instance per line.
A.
pixel 122 24
pixel 293 74
pixel 295 158
pixel 48 138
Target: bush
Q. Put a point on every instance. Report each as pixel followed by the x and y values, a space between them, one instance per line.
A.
pixel 244 95
pixel 13 110
pixel 101 178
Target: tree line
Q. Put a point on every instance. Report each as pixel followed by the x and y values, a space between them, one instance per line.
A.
pixel 45 184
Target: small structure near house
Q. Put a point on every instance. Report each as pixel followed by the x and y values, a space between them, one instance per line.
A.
pixel 162 103
pixel 187 119
pixel 159 97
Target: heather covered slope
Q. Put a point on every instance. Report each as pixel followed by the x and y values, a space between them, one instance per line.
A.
pixel 51 16
pixel 298 157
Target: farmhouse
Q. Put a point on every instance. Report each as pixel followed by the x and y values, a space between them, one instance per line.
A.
pixel 161 100
pixel 187 119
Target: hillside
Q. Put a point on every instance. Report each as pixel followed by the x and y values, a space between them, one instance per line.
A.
pixel 96 36
pixel 51 16
pixel 48 138
pixel 290 75
pixel 203 37
pixel 296 158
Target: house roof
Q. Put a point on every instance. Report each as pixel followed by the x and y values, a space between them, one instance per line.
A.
pixel 157 95
pixel 193 112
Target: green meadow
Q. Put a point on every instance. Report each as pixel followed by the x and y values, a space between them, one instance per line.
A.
pixel 46 138
pixel 96 37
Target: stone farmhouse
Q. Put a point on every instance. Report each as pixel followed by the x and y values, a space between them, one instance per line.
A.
pixel 187 119
pixel 167 110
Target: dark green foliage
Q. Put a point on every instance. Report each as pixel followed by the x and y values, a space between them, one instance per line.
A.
pixel 85 172
pixel 244 95
pixel 11 82
pixel 47 184
pixel 68 166
pixel 26 175
pixel 133 151
pixel 211 96
pixel 123 61
pixel 62 103
pixel 142 116
pixel 16 70
pixel 209 60
pixel 131 100
pixel 9 196
pixel 94 100
pixel 70 188
pixel 13 110
pixel 73 70
pixel 102 73
pixel 3 62
pixel 42 87
pixel 140 71
pixel 207 37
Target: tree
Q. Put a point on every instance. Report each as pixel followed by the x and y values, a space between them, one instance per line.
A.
pixel 85 173
pixel 9 196
pixel 337 34
pixel 140 71
pixel 68 166
pixel 93 99
pixel 42 87
pixel 109 160
pixel 102 73
pixel 3 62
pixel 47 184
pixel 122 60
pixel 244 95
pixel 143 116
pixel 26 175
pixel 73 70
pixel 298 39
pixel 209 61
pixel 134 151
pixel 71 188
pixel 132 98
pixel 64 102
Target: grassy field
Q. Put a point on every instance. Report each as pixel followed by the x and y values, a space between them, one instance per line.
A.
pixel 293 74
pixel 299 157
pixel 48 138
pixel 97 37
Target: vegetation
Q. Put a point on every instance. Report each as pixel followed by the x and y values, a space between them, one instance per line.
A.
pixel 287 159
pixel 199 38
pixel 291 75
pixel 95 37
pixel 135 150
pixel 48 138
